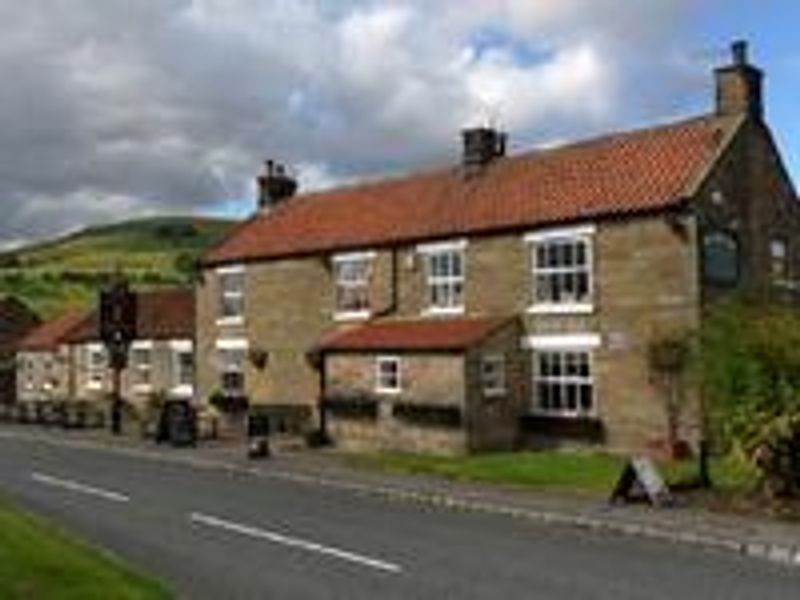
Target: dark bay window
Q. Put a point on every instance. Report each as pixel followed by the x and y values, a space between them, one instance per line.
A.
pixel 720 258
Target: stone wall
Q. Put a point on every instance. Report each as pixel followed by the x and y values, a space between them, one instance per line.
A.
pixel 430 379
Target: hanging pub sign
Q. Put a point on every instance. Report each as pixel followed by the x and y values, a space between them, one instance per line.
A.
pixel 640 478
pixel 118 321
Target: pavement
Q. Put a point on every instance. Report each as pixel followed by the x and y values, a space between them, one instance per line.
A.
pixel 305 525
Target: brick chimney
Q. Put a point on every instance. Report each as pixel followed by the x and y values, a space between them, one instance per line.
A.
pixel 275 186
pixel 482 145
pixel 740 85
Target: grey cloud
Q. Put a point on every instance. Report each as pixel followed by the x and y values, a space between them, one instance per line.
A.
pixel 119 108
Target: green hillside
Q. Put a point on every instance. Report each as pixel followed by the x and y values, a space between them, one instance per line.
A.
pixel 66 272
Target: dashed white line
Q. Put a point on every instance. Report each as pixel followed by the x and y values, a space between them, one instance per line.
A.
pixel 293 542
pixel 82 488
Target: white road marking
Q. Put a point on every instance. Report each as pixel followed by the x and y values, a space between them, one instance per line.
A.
pixel 293 542
pixel 74 486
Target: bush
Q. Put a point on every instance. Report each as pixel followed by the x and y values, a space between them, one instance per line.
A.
pixel 750 371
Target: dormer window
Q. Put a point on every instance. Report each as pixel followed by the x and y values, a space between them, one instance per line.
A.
pixel 351 280
pixel 563 276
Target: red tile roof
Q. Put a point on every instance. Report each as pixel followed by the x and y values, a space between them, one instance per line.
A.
pixel 162 314
pixel 645 170
pixel 428 334
pixel 50 334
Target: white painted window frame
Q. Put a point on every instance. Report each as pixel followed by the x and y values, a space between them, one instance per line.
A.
pixel 380 387
pixel 493 391
pixel 586 343
pixel 428 251
pixel 584 234
pixel 364 256
pixel 223 294
pixel 177 349
pixel 229 344
pixel 137 367
pixel 95 376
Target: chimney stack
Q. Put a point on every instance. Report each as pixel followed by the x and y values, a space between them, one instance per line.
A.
pixel 482 145
pixel 275 186
pixel 740 85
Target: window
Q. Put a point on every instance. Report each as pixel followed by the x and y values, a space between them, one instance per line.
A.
pixel 232 370
pixel 231 288
pixel 141 365
pixel 779 260
pixel 563 383
pixel 720 258
pixel 96 362
pixel 562 270
pixel 493 375
pixel 184 368
pixel 444 264
pixel 351 273
pixel 387 375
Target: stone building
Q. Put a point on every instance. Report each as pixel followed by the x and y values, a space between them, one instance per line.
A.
pixel 16 321
pixel 161 360
pixel 44 360
pixel 506 300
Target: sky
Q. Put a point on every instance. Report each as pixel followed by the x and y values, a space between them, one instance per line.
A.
pixel 112 109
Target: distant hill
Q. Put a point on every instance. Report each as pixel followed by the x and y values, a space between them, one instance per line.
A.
pixel 66 272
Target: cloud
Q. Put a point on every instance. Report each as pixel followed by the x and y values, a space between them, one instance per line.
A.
pixel 116 108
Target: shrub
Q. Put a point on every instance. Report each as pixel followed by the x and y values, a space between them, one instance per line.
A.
pixel 750 373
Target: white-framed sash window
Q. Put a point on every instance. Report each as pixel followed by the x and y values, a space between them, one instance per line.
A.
pixel 444 276
pixel 388 375
pixel 351 280
pixel 231 294
pixel 562 270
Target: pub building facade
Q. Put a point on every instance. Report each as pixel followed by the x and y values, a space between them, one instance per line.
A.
pixel 507 300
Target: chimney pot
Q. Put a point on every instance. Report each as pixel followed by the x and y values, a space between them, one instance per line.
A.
pixel 275 185
pixel 482 145
pixel 740 85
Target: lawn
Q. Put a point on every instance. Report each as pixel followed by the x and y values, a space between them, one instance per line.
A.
pixel 590 473
pixel 38 560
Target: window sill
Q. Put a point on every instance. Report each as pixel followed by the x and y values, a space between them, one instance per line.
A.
pixel 561 309
pixel 182 391
pixel 388 391
pixel 142 388
pixel 356 315
pixel 230 321
pixel 498 393
pixel 563 415
pixel 443 312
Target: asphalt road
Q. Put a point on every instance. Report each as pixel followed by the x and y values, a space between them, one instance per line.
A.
pixel 217 535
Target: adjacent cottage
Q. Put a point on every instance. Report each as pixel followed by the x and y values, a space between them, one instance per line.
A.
pixel 44 360
pixel 161 360
pixel 506 300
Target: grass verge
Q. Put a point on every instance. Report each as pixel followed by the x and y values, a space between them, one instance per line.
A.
pixel 38 560
pixel 589 473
